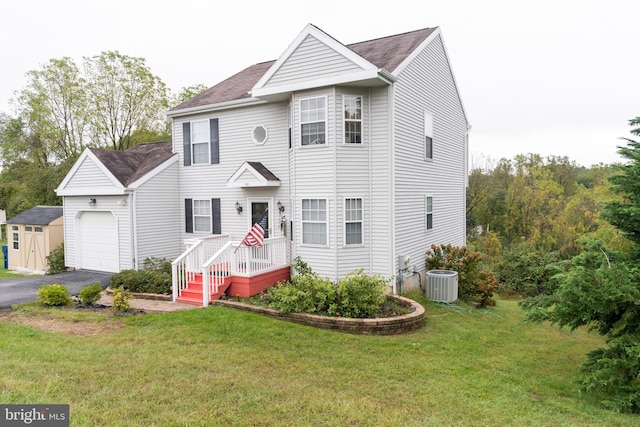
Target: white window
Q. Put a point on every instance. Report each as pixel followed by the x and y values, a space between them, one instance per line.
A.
pixel 15 237
pixel 202 215
pixel 428 207
pixel 352 119
pixel 312 121
pixel 428 135
pixel 200 141
pixel 353 221
pixel 314 221
pixel 259 135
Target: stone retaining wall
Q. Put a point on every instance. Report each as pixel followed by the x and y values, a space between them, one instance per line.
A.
pixel 381 326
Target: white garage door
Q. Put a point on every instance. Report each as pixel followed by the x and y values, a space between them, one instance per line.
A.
pixel 98 242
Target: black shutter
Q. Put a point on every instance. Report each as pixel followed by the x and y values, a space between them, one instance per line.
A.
pixel 215 141
pixel 186 143
pixel 188 215
pixel 216 224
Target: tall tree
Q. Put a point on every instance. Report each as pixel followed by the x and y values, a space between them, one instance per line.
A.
pixel 126 96
pixel 54 108
pixel 601 290
pixel 625 214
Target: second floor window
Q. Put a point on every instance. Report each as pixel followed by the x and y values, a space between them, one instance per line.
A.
pixel 428 135
pixel 313 121
pixel 200 141
pixel 352 119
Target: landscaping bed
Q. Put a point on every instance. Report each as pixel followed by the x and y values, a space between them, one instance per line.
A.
pixel 391 325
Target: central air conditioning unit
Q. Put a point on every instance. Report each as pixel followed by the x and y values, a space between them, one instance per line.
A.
pixel 442 285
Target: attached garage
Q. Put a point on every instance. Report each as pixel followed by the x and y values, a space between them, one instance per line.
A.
pixel 121 207
pixel 97 244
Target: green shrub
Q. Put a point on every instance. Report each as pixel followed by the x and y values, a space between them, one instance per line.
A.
pixel 55 260
pixel 528 272
pixel 90 294
pixel 303 294
pixel 54 295
pixel 121 299
pixel 360 295
pixel 146 281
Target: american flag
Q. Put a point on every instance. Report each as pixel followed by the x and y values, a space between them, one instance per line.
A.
pixel 255 236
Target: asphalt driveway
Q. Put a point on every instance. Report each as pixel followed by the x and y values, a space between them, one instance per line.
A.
pixel 25 289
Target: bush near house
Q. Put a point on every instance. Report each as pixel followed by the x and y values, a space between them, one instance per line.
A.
pixel 55 260
pixel 356 296
pixel 155 279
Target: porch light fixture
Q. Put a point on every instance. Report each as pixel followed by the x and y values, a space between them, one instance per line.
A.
pixel 280 207
pixel 122 202
pixel 238 207
pixel 92 202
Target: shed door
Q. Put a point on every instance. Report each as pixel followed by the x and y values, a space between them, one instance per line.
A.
pixel 98 242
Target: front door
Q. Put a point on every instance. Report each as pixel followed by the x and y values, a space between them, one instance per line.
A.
pixel 257 209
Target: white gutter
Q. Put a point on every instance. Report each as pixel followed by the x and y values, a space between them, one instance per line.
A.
pixel 214 107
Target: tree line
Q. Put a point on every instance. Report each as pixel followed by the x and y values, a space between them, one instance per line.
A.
pixel 110 101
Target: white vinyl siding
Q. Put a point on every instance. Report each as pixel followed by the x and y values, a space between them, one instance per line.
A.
pixel 352 119
pixel 353 221
pixel 427 85
pixel 236 147
pixel 200 142
pixel 91 177
pixel 311 60
pixel 314 221
pixel 157 216
pixel 313 116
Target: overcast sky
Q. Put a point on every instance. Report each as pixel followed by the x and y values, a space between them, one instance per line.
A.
pixel 550 77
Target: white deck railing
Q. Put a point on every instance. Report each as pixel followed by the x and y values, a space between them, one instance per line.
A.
pixel 185 267
pixel 230 259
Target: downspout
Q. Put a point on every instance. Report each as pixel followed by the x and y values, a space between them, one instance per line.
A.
pixel 131 201
pixel 335 185
pixel 392 195
pixel 370 147
pixel 465 181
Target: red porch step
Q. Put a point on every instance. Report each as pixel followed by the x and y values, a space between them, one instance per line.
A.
pixel 192 294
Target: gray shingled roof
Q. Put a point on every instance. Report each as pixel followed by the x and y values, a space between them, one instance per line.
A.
pixel 262 170
pixel 386 52
pixel 129 165
pixel 39 215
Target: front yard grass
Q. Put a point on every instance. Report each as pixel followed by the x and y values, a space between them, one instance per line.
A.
pixel 219 366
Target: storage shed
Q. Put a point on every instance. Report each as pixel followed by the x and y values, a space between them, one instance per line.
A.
pixel 32 235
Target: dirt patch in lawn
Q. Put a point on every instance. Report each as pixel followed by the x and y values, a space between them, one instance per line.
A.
pixel 81 328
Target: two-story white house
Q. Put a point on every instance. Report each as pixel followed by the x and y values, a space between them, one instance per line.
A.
pixel 358 153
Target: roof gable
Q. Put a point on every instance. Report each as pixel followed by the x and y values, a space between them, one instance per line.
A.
pixel 103 171
pixel 253 174
pixel 386 53
pixel 130 165
pixel 88 173
pixel 39 215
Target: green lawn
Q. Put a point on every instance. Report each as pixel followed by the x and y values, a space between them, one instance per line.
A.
pixel 218 366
